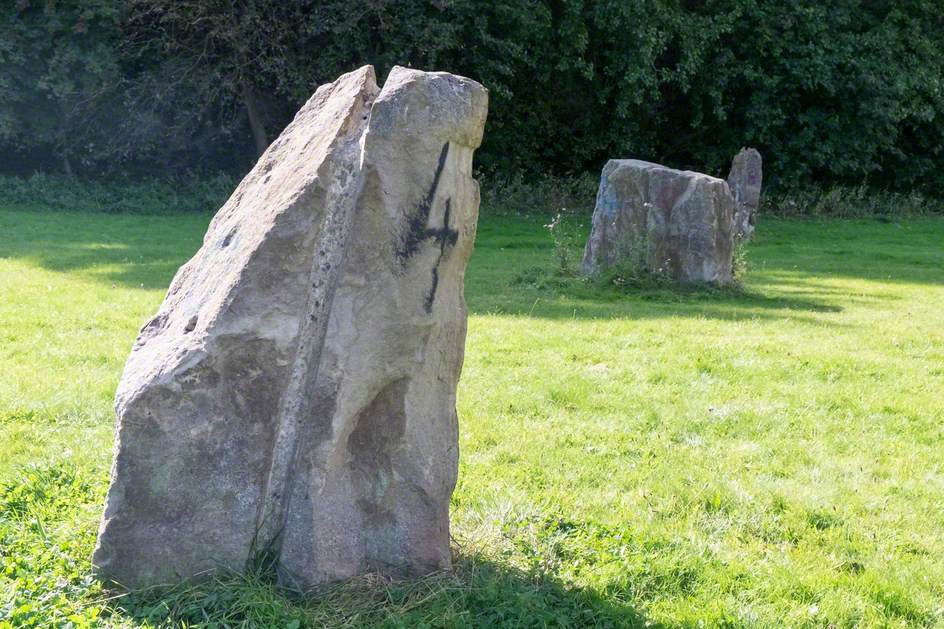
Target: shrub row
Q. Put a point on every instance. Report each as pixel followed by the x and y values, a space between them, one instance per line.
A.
pixel 847 92
pixel 545 195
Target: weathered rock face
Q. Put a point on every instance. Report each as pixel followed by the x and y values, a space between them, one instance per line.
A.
pixel 293 400
pixel 660 220
pixel 745 180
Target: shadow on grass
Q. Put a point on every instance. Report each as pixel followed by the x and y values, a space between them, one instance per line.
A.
pixel 478 593
pixel 790 265
pixel 539 294
pixel 797 269
pixel 908 251
pixel 122 250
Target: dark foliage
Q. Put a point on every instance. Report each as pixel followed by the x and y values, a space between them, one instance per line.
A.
pixel 844 92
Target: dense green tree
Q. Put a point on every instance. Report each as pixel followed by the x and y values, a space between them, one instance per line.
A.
pixel 850 91
pixel 59 76
pixel 222 51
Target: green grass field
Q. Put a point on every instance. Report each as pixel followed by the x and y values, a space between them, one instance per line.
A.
pixel 629 456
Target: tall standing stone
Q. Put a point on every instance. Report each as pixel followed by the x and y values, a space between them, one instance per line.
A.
pixel 744 180
pixel 293 400
pixel 659 220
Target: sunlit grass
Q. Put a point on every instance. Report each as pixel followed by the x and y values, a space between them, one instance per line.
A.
pixel 763 457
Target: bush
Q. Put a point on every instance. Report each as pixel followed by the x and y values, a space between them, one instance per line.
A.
pixel 571 199
pixel 539 194
pixel 145 196
pixel 832 93
pixel 848 202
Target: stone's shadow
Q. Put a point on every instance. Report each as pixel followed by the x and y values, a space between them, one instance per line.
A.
pixel 910 251
pixel 794 273
pixel 151 264
pixel 506 596
pixel 479 592
pixel 573 298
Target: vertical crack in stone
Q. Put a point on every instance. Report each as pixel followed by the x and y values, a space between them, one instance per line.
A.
pixel 293 406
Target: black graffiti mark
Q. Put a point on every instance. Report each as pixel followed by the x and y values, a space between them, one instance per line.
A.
pixel 444 236
pixel 418 230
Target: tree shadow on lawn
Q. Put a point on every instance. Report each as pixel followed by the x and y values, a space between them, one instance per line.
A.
pixel 120 265
pixel 909 251
pixel 135 260
pixel 789 263
pixel 130 251
pixel 478 593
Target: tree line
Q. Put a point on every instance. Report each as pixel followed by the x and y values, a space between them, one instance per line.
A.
pixel 839 92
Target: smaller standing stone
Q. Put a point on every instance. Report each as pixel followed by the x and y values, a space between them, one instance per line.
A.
pixel 745 181
pixel 659 220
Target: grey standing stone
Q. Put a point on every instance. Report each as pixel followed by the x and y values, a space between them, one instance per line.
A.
pixel 293 400
pixel 660 220
pixel 744 180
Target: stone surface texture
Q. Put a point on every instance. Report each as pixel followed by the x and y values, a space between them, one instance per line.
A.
pixel 744 180
pixel 664 221
pixel 293 400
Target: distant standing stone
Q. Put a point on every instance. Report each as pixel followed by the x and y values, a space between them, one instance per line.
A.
pixel 659 220
pixel 745 181
pixel 293 401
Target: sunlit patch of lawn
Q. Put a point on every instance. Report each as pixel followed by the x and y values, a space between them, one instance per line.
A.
pixel 767 456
